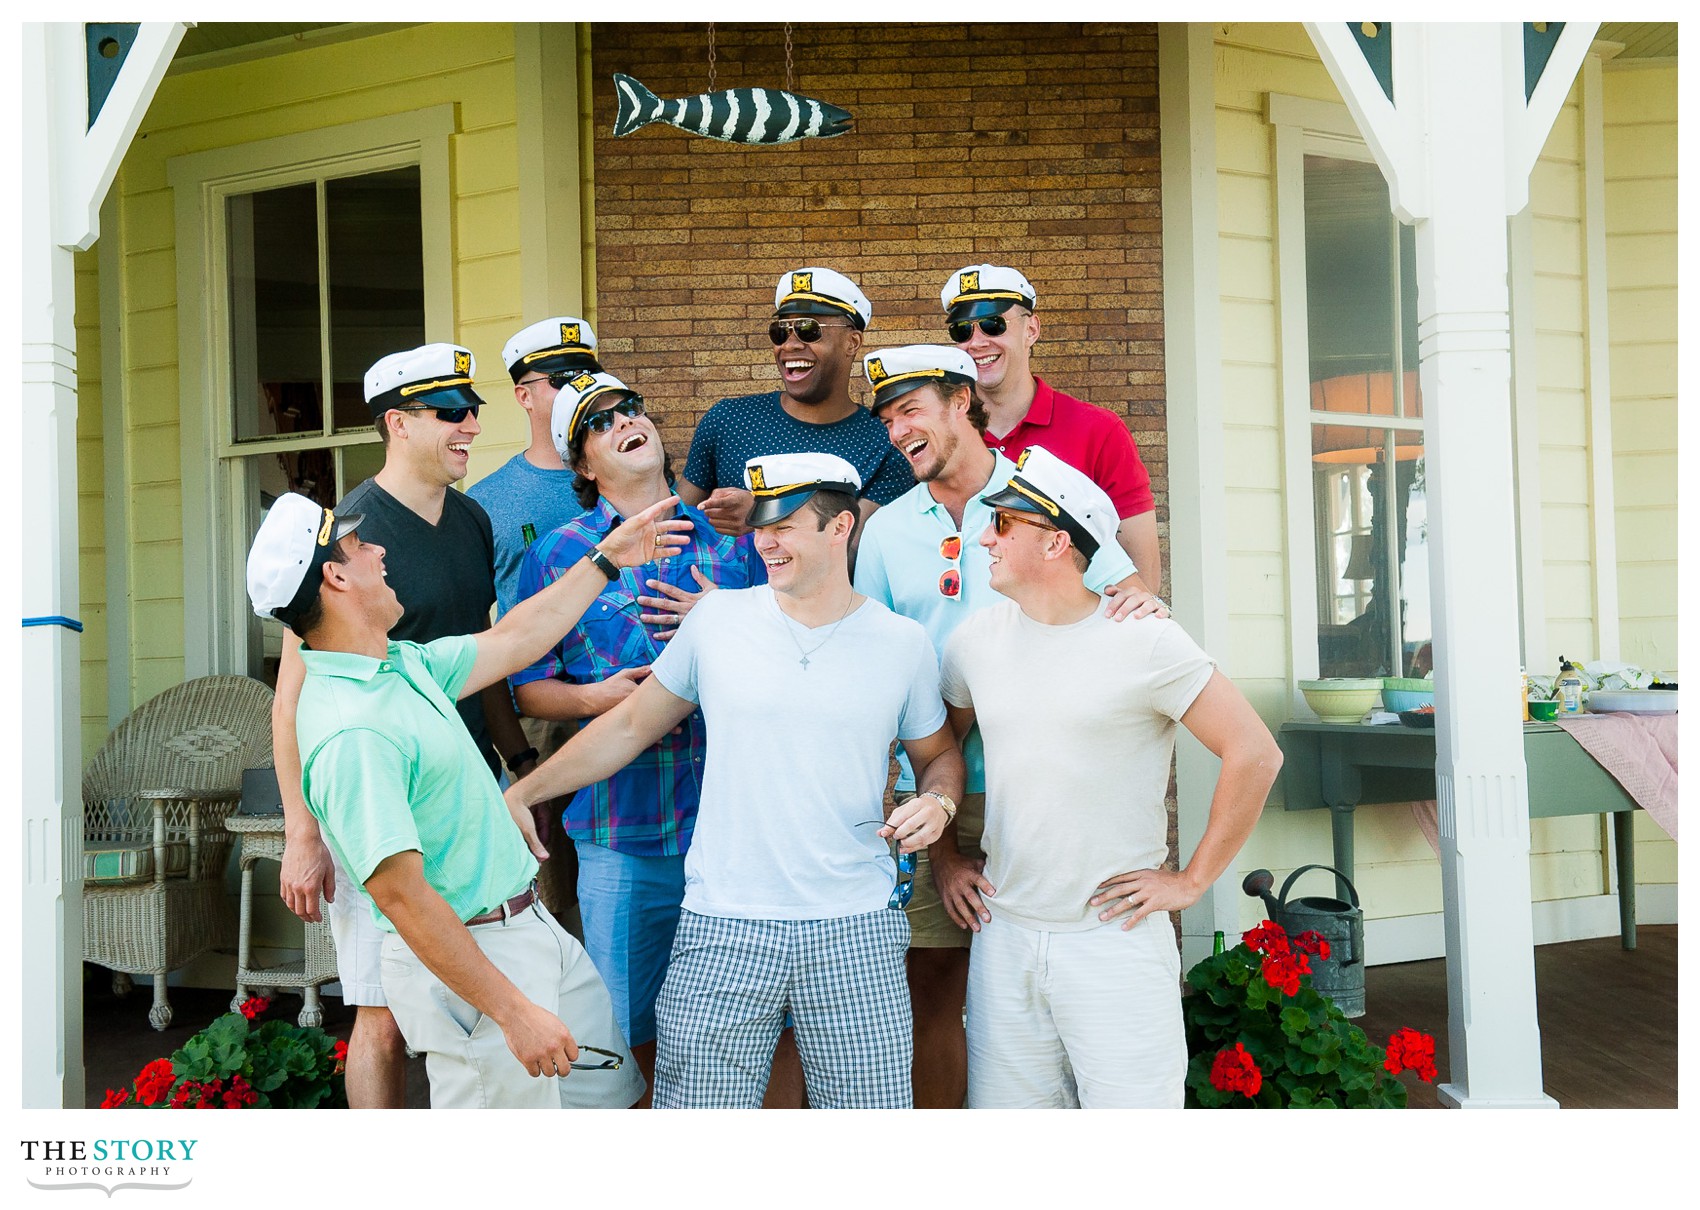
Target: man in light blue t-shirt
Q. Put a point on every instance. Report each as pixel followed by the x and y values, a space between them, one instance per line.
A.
pixel 789 883
pixel 920 556
pixel 529 495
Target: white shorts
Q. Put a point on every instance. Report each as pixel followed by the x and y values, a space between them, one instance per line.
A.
pixel 1086 1019
pixel 466 1054
pixel 359 942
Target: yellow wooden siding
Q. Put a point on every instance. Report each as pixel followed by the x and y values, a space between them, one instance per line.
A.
pixel 1641 264
pixel 92 506
pixel 1398 874
pixel 470 66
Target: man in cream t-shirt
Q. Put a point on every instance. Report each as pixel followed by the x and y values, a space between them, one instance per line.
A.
pixel 1074 985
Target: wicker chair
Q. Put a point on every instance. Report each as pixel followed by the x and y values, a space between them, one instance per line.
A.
pixel 155 848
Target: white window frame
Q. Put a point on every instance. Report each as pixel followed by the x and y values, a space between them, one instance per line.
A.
pixel 215 607
pixel 1302 127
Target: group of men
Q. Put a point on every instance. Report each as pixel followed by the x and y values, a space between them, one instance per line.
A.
pixel 965 565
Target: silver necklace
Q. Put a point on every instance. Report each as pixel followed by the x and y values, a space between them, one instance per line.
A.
pixel 804 660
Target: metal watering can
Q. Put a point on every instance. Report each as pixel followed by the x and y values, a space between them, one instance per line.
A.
pixel 1340 976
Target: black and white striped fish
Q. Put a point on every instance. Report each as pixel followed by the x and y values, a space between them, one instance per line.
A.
pixel 733 115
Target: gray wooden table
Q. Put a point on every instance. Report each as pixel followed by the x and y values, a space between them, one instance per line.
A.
pixel 1341 766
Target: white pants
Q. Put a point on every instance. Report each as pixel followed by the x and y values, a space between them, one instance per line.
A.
pixel 1086 1019
pixel 466 1055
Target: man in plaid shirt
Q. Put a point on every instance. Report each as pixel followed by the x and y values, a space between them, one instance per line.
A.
pixel 631 831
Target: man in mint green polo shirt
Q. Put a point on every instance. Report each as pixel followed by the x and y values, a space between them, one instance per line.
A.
pixel 480 979
pixel 920 556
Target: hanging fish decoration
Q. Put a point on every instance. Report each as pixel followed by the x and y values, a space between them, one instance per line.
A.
pixel 733 115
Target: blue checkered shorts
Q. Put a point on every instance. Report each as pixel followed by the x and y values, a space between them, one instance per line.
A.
pixel 730 982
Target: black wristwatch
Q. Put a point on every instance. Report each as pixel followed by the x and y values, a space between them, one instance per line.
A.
pixel 603 563
pixel 519 758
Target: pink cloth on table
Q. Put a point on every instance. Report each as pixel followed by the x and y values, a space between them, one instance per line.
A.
pixel 1640 751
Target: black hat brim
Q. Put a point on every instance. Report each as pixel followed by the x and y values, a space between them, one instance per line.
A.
pixel 981 308
pixel 809 306
pixel 447 397
pixel 557 363
pixel 770 509
pixel 1013 500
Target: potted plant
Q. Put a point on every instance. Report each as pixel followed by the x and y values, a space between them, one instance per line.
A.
pixel 237 1063
pixel 1261 1037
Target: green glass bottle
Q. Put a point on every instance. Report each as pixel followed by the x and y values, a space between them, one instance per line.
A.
pixel 1220 945
pixel 528 533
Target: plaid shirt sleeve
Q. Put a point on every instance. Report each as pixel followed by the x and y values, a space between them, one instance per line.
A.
pixel 545 561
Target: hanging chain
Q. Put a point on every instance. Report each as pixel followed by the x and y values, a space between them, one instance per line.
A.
pixel 711 56
pixel 788 84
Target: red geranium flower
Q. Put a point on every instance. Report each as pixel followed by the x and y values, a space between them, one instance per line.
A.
pixel 339 1054
pixel 254 1006
pixel 155 1081
pixel 1236 1071
pixel 1312 942
pixel 1409 1050
pixel 240 1094
pixel 115 1097
pixel 1282 969
pixel 1266 938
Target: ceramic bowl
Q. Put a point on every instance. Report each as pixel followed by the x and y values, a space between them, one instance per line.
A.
pixel 1341 699
pixel 1543 712
pixel 1401 700
pixel 1417 718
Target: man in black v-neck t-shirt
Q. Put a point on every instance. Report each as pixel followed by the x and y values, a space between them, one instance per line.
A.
pixel 443 575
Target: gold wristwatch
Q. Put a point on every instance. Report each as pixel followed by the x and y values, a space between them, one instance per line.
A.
pixel 945 801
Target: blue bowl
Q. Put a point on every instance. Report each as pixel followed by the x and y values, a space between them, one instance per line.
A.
pixel 1398 701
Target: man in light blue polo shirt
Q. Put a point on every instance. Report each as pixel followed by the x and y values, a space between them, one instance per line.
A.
pixel 479 978
pixel 919 556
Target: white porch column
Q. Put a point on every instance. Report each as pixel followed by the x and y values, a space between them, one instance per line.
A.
pixel 1192 366
pixel 68 166
pixel 1456 142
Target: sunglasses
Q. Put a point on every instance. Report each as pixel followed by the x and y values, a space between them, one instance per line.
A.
pixel 808 330
pixel 601 422
pixel 1001 522
pixel 950 580
pixel 610 1061
pixel 446 415
pixel 962 330
pixel 905 886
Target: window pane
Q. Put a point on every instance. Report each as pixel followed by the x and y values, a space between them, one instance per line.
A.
pixel 274 313
pixel 1349 268
pixel 377 280
pixel 1372 576
pixel 360 463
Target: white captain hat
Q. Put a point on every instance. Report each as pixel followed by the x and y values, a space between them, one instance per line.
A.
pixel 782 483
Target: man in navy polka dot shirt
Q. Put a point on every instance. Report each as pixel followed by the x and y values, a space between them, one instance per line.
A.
pixel 818 319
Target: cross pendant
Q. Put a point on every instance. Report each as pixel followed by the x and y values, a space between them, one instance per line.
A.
pixel 805 663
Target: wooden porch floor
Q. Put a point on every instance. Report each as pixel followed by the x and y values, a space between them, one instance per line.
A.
pixel 1608 1019
pixel 1608 1023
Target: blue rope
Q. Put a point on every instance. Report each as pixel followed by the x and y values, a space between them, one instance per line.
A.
pixel 56 620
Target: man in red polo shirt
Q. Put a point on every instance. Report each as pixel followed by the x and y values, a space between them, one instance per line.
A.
pixel 989 315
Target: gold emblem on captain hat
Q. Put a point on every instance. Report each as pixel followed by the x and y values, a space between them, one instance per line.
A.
pixel 570 334
pixel 1021 462
pixel 583 382
pixel 463 362
pixel 758 481
pixel 802 283
pixel 970 283
pixel 876 371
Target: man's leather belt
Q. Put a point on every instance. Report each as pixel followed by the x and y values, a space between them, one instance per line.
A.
pixel 512 907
